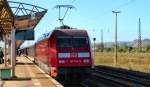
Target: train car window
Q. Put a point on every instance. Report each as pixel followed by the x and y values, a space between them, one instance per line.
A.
pixel 72 42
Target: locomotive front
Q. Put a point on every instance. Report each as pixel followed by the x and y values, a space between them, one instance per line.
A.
pixel 73 52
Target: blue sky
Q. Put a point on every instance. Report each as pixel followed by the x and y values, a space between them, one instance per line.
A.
pixel 94 15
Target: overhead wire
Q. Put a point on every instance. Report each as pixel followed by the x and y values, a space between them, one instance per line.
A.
pixel 118 7
pixel 125 4
pixel 61 1
pixel 73 1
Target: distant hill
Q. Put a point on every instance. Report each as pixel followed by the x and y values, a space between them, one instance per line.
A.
pixel 109 44
pixel 134 43
pixel 145 42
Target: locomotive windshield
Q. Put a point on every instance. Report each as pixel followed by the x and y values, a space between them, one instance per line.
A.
pixel 72 42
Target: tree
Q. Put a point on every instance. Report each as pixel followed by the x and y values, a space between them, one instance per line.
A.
pixel 108 49
pixel 147 48
pixel 123 48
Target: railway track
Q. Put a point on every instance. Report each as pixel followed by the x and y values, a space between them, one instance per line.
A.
pixel 123 71
pixel 112 77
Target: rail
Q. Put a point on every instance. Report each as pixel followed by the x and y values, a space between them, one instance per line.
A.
pixel 106 77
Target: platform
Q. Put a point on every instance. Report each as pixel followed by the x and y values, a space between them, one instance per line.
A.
pixel 29 75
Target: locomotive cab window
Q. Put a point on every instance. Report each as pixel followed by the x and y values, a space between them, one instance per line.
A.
pixel 72 42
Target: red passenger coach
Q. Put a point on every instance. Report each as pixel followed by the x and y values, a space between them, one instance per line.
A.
pixel 64 52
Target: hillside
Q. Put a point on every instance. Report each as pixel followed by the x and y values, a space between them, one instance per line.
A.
pixel 134 43
pixel 145 42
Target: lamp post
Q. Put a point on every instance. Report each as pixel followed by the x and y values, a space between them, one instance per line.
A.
pixel 102 44
pixel 116 45
pixel 94 39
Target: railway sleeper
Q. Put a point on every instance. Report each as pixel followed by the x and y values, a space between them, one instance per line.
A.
pixel 126 77
pixel 118 80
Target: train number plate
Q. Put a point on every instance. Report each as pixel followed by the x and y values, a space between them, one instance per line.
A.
pixel 75 61
pixel 73 55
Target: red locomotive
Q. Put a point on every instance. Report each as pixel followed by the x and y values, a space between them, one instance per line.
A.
pixel 63 52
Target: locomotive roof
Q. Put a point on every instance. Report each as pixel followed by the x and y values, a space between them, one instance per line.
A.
pixel 64 32
pixel 71 32
pixel 45 36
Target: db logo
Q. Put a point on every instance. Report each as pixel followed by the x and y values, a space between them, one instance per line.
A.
pixel 73 55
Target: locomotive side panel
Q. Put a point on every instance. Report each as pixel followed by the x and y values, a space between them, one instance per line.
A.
pixel 42 55
pixel 53 56
pixel 42 52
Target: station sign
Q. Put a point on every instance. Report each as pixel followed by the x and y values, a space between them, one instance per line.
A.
pixel 24 34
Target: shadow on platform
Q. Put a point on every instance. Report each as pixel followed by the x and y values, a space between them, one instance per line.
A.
pixel 20 63
pixel 17 79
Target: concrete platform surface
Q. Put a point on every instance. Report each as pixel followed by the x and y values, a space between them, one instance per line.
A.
pixel 29 75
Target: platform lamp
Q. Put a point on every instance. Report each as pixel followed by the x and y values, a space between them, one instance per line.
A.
pixel 94 39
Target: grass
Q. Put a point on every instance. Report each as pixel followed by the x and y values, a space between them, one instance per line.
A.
pixel 132 61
